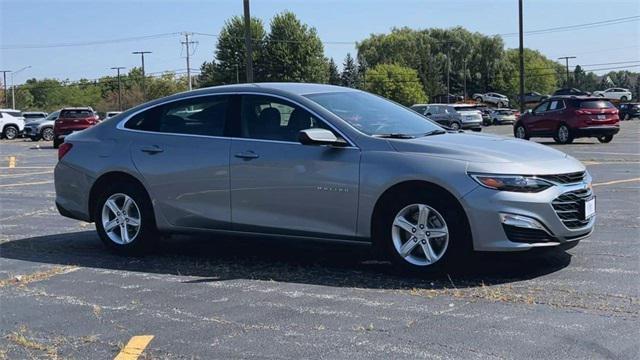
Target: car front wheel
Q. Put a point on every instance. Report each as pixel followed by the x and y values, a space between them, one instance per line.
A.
pixel 124 218
pixel 455 126
pixel 424 233
pixel 605 138
pixel 624 98
pixel 520 132
pixel 563 135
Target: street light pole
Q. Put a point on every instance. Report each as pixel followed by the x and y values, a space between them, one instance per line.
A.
pixel 4 83
pixel 144 89
pixel 521 55
pixel 566 59
pixel 13 87
pixel 118 68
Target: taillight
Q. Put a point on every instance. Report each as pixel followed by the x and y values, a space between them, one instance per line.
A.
pixel 583 112
pixel 64 149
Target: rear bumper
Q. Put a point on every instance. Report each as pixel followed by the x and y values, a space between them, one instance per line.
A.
pixel 471 125
pixel 594 131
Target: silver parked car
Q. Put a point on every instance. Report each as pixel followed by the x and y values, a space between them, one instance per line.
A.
pixel 310 161
pixel 42 128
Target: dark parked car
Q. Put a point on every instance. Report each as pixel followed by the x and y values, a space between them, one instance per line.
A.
pixel 534 97
pixel 629 111
pixel 565 118
pixel 72 120
pixel 571 92
pixel 460 116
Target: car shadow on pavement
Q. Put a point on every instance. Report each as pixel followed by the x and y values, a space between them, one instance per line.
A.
pixel 220 258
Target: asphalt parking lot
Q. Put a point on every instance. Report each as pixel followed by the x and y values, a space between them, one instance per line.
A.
pixel 62 295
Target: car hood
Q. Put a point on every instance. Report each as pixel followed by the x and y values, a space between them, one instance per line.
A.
pixel 492 153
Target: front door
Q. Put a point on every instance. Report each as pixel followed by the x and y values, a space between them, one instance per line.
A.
pixel 181 150
pixel 279 185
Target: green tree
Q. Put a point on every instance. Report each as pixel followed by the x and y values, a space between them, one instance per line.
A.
pixel 350 75
pixel 231 52
pixel 541 73
pixel 208 75
pixel 334 74
pixel 395 82
pixel 294 51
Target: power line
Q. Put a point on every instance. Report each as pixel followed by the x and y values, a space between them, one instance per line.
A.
pixel 87 43
pixel 578 26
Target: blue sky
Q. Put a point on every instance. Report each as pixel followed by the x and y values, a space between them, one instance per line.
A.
pixel 47 22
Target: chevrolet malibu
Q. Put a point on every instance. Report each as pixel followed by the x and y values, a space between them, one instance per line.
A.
pixel 318 162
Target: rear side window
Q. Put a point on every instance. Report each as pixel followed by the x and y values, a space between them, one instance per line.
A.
pixel 596 104
pixel 195 116
pixel 76 114
pixel 556 105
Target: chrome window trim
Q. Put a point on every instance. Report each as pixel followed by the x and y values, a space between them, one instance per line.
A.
pixel 120 125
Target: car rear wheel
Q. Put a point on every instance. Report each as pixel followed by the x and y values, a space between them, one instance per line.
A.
pixel 627 117
pixel 455 126
pixel 520 132
pixel 478 99
pixel 496 122
pixel 423 233
pixel 124 218
pixel 624 98
pixel 563 135
pixel 10 132
pixel 47 134
pixel 605 138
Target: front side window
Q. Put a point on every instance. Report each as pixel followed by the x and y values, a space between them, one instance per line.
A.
pixel 270 118
pixel 205 115
pixel 541 108
pixel 373 115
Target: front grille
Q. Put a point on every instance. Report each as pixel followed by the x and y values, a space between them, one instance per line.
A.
pixel 524 235
pixel 569 207
pixel 569 178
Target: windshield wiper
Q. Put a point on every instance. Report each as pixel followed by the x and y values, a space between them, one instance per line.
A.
pixel 434 132
pixel 394 136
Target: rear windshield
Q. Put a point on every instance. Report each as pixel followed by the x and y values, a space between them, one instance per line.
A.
pixel 74 114
pixel 465 108
pixel 595 104
pixel 31 116
pixel 13 113
pixel 505 112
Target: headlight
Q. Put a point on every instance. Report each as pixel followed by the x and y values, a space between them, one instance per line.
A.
pixel 517 183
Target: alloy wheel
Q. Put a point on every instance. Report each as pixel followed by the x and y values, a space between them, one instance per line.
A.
pixel 121 218
pixel 563 134
pixel 520 132
pixel 420 234
pixel 47 134
pixel 455 126
pixel 10 132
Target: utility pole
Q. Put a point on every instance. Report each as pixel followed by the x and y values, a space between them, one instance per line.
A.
pixel 13 87
pixel 521 55
pixel 448 72
pixel 4 83
pixel 248 41
pixel 118 68
pixel 144 89
pixel 186 43
pixel 464 79
pixel 566 59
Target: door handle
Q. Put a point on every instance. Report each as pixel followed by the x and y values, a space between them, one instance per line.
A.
pixel 155 149
pixel 247 155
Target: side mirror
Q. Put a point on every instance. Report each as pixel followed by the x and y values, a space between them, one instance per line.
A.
pixel 317 136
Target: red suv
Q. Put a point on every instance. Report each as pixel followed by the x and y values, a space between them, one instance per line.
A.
pixel 568 117
pixel 71 120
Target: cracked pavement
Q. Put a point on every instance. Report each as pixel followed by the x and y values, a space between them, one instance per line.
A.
pixel 62 295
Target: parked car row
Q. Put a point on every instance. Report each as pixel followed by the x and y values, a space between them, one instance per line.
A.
pixel 454 116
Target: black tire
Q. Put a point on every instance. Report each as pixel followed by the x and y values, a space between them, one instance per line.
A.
pixel 626 117
pixel 57 143
pixel 455 125
pixel 147 232
pixel 478 99
pixel 520 134
pixel 10 132
pixel 486 122
pixel 46 134
pixel 624 98
pixel 560 137
pixel 496 122
pixel 605 138
pixel 460 245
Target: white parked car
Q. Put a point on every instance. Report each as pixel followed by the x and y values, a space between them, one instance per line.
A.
pixel 11 123
pixel 492 98
pixel 111 114
pixel 615 94
pixel 502 116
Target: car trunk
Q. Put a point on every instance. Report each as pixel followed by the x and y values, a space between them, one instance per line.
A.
pixel 73 120
pixel 597 112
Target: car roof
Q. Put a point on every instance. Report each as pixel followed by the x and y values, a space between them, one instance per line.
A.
pixel 78 108
pixel 293 88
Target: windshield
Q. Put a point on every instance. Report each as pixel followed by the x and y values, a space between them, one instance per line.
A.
pixel 53 115
pixel 372 114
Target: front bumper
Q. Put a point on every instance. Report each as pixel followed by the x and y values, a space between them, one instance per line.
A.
pixel 595 131
pixel 486 208
pixel 30 131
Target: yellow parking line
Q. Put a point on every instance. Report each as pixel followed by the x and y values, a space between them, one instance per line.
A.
pixel 25 184
pixel 134 348
pixel 617 182
pixel 12 162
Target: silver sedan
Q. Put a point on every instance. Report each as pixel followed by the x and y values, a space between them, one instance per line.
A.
pixel 308 161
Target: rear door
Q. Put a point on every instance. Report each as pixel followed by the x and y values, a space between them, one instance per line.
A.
pixel 182 151
pixel 279 185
